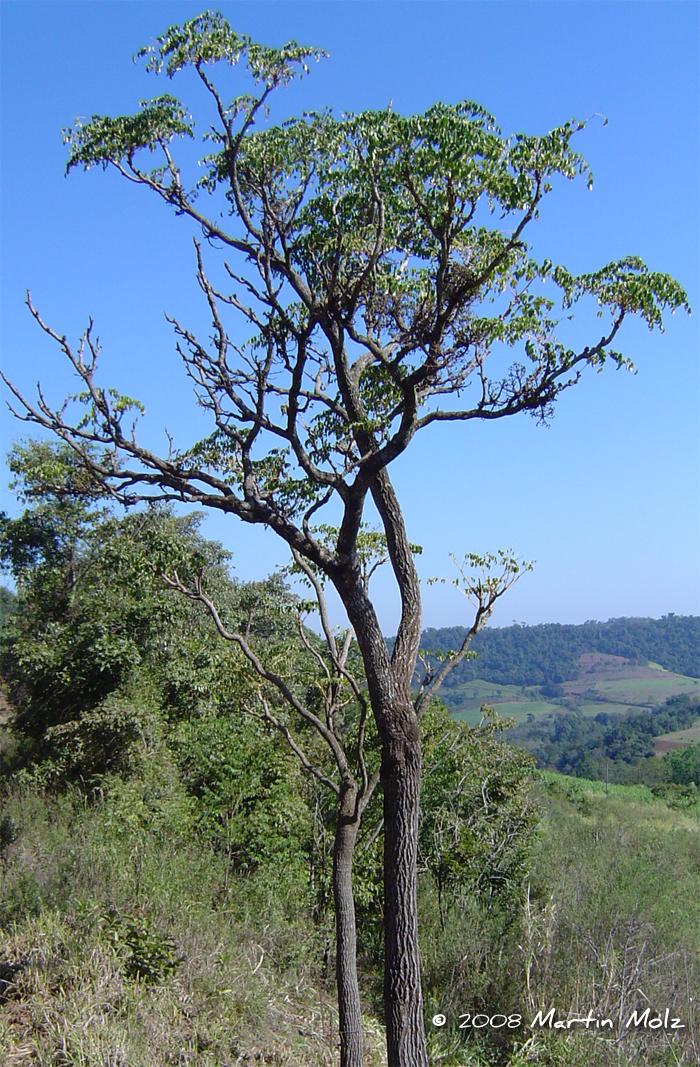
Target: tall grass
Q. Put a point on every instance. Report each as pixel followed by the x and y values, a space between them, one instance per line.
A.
pixel 128 943
pixel 126 940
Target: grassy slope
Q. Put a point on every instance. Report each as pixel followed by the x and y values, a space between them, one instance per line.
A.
pixel 230 970
pixel 515 709
pixel 85 888
pixel 614 920
pixel 611 687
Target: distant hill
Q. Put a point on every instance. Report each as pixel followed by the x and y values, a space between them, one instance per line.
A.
pixel 596 700
pixel 549 655
pixel 624 746
pixel 603 685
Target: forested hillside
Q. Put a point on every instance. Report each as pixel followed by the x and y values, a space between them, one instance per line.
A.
pixel 620 747
pixel 548 654
pixel 586 700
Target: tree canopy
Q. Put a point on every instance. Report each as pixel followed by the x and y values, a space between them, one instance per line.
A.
pixel 376 285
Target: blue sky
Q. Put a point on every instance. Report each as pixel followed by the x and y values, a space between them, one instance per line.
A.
pixel 607 500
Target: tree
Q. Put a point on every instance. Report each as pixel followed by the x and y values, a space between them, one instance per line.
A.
pixel 339 721
pixel 96 626
pixel 92 626
pixel 683 765
pixel 336 715
pixel 378 299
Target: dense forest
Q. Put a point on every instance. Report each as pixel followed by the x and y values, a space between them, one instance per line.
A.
pixel 547 655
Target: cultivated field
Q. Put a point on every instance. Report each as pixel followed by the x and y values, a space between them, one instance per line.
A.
pixel 602 684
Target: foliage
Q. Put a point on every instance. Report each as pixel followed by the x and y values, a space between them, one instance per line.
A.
pixel 476 830
pixel 252 801
pixel 613 914
pixel 7 602
pixel 547 654
pixel 618 746
pixel 143 954
pixel 684 765
pixel 98 648
pixel 477 818
pixel 102 901
pixel 381 298
pixel 143 934
pixel 251 970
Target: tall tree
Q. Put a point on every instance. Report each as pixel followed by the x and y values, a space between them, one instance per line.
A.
pixel 378 299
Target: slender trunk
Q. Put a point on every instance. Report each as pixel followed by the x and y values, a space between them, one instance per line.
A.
pixel 403 998
pixel 349 1010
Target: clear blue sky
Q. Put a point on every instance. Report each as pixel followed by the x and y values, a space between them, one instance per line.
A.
pixel 607 499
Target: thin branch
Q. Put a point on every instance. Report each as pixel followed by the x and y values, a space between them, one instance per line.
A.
pixel 269 717
pixel 199 596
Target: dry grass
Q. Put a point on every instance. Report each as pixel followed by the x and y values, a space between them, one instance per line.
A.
pixel 126 943
pixel 123 947
pixel 68 1003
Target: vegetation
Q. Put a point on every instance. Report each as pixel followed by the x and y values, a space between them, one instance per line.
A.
pixel 7 601
pixel 166 876
pixel 122 704
pixel 376 295
pixel 128 939
pixel 601 711
pixel 612 905
pixel 615 747
pixel 548 655
pixel 166 863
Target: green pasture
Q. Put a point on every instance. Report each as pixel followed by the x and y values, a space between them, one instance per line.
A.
pixel 595 707
pixel 690 735
pixel 478 692
pixel 648 690
pixel 516 709
pixel 617 696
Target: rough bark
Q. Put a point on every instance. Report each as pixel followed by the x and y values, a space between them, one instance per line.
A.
pixel 403 999
pixel 389 689
pixel 349 1009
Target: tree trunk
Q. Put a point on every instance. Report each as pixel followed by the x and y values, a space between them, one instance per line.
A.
pixel 349 1010
pixel 389 691
pixel 403 998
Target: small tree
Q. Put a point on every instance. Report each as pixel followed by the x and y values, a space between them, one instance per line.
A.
pixel 378 297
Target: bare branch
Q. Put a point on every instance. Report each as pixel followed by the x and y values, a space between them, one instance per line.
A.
pixel 199 596
pixel 483 592
pixel 269 717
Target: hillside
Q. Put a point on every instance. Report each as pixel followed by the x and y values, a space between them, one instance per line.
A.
pixel 580 707
pixel 549 654
pixel 128 940
pixel 598 684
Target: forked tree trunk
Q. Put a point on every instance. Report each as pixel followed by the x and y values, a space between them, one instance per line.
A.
pixel 349 1009
pixel 403 998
